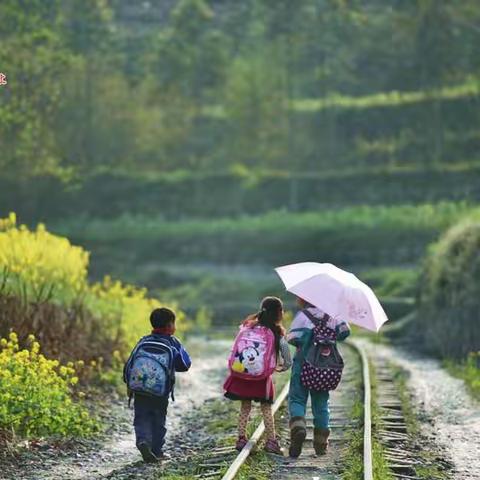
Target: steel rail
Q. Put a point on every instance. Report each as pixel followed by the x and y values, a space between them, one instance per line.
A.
pixel 243 455
pixel 367 423
pixel 367 413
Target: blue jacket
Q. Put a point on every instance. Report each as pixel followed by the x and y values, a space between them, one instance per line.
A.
pixel 182 358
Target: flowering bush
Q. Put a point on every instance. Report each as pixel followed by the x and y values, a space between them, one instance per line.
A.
pixel 39 267
pixel 126 308
pixel 36 393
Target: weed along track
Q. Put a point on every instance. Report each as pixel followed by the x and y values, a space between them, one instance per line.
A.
pixel 391 427
pixel 404 453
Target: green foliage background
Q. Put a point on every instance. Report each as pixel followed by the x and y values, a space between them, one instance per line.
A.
pixel 192 145
pixel 308 86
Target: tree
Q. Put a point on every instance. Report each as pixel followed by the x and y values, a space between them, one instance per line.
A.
pixel 34 60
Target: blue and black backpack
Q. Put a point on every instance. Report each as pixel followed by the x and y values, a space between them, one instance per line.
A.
pixel 150 370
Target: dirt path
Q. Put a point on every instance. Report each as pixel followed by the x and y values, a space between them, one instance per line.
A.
pixel 449 415
pixel 118 458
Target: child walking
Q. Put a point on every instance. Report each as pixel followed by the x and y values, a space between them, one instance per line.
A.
pixel 300 335
pixel 150 377
pixel 259 350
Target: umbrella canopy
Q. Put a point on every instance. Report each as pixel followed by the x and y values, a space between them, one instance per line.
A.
pixel 337 292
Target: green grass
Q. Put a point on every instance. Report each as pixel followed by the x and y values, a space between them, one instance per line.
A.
pixel 224 417
pixel 469 88
pixel 329 172
pixel 351 236
pixel 353 462
pixel 392 282
pixel 258 467
pixel 426 216
pixel 468 371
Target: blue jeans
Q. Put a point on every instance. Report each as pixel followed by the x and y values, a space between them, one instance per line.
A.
pixel 149 421
pixel 298 398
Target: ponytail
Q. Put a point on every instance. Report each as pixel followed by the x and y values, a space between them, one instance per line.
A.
pixel 269 316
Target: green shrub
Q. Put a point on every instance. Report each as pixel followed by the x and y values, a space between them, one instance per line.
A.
pixel 36 394
pixel 449 301
pixel 469 371
pixel 392 282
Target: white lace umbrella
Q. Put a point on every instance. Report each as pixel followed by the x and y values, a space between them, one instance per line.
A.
pixel 337 292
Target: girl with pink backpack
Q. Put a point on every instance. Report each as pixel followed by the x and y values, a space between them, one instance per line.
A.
pixel 259 350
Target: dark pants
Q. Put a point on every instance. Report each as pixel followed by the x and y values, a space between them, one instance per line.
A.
pixel 149 421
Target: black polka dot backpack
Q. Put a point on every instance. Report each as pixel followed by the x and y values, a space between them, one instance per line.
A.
pixel 323 365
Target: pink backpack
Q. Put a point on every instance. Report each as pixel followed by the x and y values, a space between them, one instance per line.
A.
pixel 253 353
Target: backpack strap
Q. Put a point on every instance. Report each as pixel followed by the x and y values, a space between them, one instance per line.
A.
pixel 314 319
pixel 131 357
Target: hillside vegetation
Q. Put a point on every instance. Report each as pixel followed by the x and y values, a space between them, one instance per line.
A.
pixel 373 236
pixel 102 93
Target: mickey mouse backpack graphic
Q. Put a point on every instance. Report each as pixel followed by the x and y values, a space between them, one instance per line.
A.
pixel 253 353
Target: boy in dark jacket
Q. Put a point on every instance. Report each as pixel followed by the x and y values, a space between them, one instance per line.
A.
pixel 151 410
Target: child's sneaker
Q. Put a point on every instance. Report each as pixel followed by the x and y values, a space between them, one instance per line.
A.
pixel 241 442
pixel 162 456
pixel 147 454
pixel 272 446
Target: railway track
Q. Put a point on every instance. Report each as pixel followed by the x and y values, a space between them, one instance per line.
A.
pixel 356 387
pixel 392 433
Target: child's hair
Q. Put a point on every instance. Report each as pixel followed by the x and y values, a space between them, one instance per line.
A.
pixel 303 303
pixel 269 316
pixel 162 317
